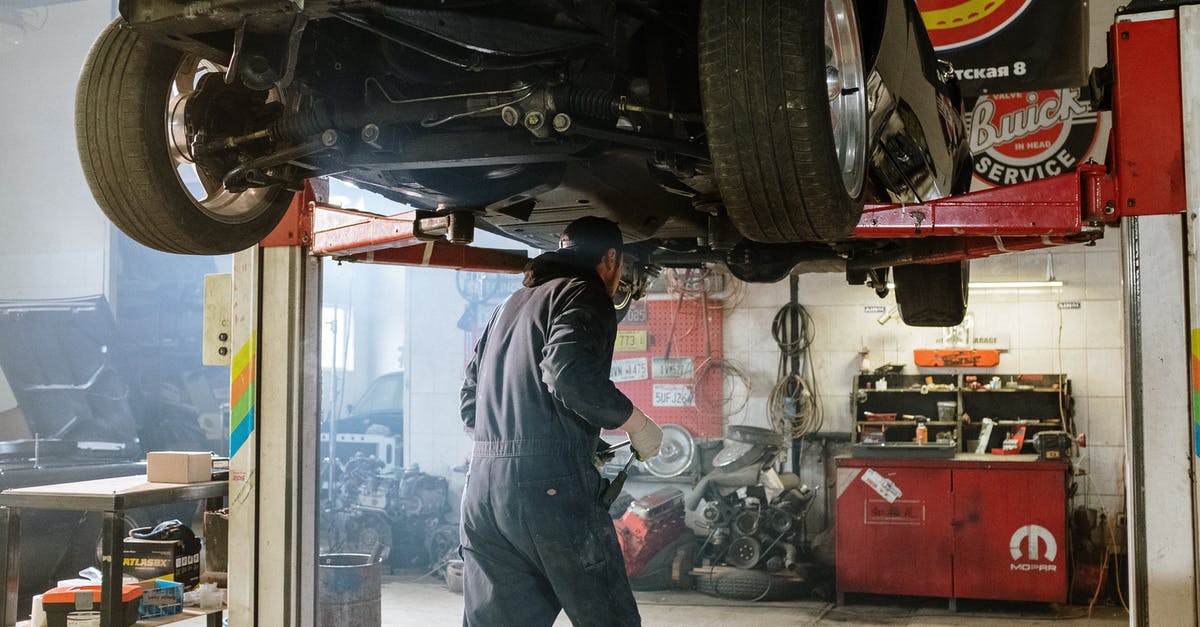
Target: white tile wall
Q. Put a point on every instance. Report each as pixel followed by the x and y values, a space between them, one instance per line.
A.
pixel 1037 324
pixel 1104 323
pixel 1072 325
pixel 1106 416
pixel 1106 468
pixel 1084 343
pixel 434 356
pixel 1106 372
pixel 1103 272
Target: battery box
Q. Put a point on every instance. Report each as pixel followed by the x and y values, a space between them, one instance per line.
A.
pixel 173 560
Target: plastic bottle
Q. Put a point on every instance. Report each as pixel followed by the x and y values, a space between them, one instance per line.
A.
pixel 922 433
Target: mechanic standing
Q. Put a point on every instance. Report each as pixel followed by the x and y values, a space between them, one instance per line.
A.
pixel 535 536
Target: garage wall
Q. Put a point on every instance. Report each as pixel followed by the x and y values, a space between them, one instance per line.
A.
pixel 363 325
pixel 1085 343
pixel 55 238
pixel 56 241
pixel 435 360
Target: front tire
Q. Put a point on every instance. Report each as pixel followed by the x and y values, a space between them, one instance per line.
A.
pixel 122 117
pixel 784 96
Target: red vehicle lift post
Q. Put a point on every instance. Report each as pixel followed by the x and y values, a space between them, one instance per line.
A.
pixel 1144 175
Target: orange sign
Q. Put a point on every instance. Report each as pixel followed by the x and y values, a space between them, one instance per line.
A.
pixel 956 358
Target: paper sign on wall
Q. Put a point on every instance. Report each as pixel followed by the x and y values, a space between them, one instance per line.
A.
pixel 883 486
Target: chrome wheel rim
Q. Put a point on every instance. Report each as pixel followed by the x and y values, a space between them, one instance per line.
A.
pixel 845 81
pixel 206 190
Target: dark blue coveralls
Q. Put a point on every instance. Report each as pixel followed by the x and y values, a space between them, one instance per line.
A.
pixel 535 536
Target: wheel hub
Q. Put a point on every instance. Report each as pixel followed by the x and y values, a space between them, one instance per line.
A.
pixel 845 83
pixel 196 108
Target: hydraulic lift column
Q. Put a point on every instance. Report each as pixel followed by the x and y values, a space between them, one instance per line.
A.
pixel 1162 282
pixel 1189 54
pixel 275 386
pixel 274 418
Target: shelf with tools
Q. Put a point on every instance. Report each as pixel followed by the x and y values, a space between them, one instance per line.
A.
pixel 1015 404
pixel 888 408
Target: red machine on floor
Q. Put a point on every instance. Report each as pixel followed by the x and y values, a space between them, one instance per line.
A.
pixel 654 540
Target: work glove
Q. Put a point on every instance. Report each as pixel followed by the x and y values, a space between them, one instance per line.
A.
pixel 645 437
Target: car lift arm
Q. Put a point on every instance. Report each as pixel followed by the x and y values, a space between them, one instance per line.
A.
pixel 1144 175
pixel 414 238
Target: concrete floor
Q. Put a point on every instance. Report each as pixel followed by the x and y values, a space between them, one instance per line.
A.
pixel 411 601
pixel 427 602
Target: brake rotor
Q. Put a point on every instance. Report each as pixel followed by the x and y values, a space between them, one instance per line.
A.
pixel 676 455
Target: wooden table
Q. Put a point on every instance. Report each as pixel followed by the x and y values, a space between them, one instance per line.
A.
pixel 113 497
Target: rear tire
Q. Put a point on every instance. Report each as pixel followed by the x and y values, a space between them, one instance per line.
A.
pixel 121 127
pixel 785 173
pixel 749 585
pixel 932 295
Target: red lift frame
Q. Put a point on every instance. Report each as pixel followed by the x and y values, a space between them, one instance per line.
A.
pixel 1144 176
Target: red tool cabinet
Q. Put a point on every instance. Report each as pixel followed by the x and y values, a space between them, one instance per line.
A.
pixel 977 527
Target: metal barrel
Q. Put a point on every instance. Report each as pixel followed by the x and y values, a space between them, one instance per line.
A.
pixel 348 588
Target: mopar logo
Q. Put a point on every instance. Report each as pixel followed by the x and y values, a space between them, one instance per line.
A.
pixel 1027 543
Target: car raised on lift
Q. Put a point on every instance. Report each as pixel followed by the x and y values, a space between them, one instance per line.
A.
pixel 748 134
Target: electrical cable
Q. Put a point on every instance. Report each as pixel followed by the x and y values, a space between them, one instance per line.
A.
pixel 1099 582
pixel 695 285
pixel 1112 536
pixel 732 376
pixel 793 406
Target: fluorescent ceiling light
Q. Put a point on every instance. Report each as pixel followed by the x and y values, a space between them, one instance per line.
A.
pixel 1003 285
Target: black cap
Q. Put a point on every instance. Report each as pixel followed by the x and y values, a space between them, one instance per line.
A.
pixel 591 237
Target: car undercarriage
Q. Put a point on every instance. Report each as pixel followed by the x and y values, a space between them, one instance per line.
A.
pixel 743 134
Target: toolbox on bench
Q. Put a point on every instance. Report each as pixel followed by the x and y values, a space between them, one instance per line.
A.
pixel 60 601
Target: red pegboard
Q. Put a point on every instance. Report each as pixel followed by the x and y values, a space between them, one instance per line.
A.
pixel 691 330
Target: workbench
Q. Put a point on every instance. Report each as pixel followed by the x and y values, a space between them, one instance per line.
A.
pixel 976 526
pixel 113 496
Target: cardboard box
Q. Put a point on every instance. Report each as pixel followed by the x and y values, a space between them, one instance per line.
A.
pixel 173 560
pixel 178 467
